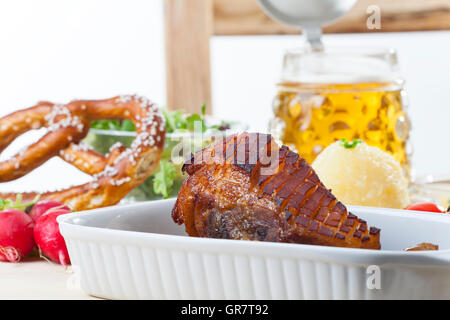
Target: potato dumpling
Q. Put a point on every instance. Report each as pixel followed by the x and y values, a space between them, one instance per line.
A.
pixel 362 175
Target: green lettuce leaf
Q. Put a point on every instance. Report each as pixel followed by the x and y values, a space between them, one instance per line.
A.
pixel 164 178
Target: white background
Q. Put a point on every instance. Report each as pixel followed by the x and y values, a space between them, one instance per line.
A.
pixel 61 50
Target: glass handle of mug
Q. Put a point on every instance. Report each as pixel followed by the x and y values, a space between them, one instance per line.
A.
pixel 314 38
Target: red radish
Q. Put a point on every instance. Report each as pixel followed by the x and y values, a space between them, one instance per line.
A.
pixel 49 239
pixel 43 206
pixel 16 235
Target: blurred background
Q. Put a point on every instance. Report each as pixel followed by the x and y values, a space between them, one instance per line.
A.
pixel 181 53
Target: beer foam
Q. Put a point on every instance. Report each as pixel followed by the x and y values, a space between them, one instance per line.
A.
pixel 339 69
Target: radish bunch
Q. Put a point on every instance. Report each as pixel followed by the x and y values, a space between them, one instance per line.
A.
pixel 20 232
pixel 49 239
pixel 16 235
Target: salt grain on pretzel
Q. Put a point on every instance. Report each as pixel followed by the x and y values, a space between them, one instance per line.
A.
pixel 114 174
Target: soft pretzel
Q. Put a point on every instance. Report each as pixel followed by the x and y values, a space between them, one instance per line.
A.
pixel 114 174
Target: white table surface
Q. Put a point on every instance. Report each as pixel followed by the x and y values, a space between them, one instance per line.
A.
pixel 39 279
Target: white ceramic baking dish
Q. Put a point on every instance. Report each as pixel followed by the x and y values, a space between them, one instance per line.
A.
pixel 137 252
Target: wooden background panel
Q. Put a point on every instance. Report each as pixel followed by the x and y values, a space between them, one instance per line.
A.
pixel 188 27
pixel 242 17
pixel 190 24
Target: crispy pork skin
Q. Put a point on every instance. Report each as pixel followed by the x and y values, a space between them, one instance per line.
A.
pixel 247 187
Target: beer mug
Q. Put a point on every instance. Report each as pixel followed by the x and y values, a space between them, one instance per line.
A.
pixel 341 93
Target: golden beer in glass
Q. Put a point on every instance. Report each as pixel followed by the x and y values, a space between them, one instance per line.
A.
pixel 339 93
